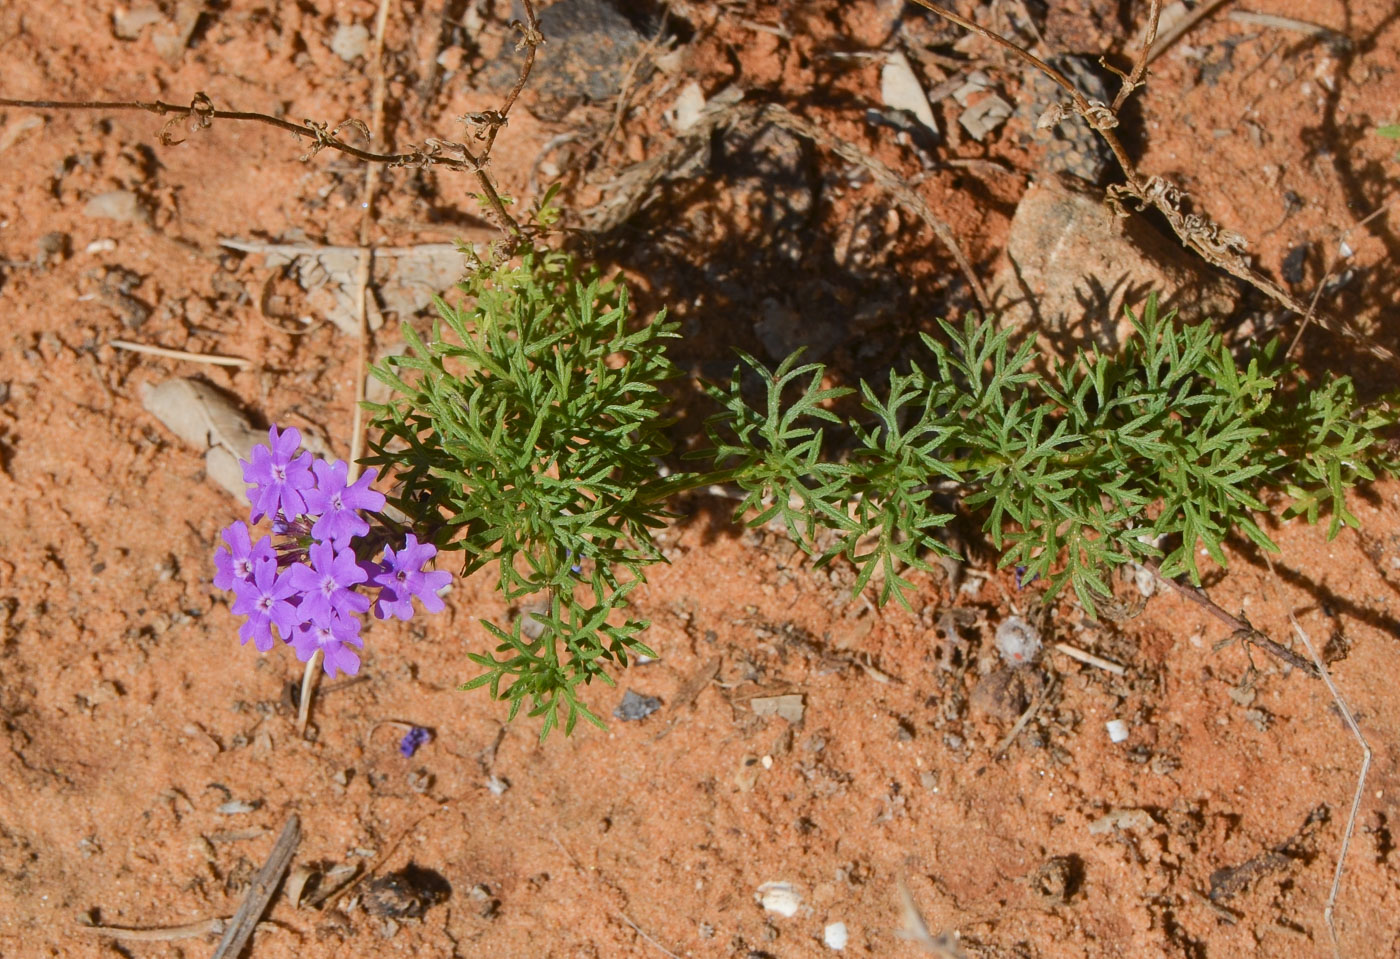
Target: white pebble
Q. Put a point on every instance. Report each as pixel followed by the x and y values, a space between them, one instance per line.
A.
pixel 1117 730
pixel 780 898
pixel 835 936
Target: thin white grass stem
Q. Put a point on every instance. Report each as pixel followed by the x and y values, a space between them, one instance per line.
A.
pixel 170 354
pixel 1089 659
pixel 1327 912
pixel 308 689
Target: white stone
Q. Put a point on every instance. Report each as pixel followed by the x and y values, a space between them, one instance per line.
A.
pixel 779 898
pixel 835 936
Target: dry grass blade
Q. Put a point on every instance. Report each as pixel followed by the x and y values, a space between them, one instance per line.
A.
pixel 1327 912
pixel 189 930
pixel 210 358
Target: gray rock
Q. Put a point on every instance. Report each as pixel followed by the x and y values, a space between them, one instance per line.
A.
pixel 635 706
pixel 120 205
pixel 350 41
pixel 1072 266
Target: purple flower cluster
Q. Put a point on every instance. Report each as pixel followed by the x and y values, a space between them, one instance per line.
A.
pixel 304 590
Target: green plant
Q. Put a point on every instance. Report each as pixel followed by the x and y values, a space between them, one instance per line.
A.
pixel 528 425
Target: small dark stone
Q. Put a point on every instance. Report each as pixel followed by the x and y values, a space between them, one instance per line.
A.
pixel 1295 264
pixel 406 894
pixel 635 706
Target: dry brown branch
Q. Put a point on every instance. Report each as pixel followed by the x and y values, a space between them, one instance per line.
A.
pixel 1134 79
pixel 1240 628
pixel 1360 784
pixel 1327 278
pixel 366 258
pixel 1216 245
pixel 433 152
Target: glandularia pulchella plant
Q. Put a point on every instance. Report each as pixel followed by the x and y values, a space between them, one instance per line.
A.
pixel 527 429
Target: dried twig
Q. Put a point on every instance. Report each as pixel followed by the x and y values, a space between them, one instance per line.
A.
pixel 1134 79
pixel 210 358
pixel 1327 278
pixel 366 257
pixel 434 152
pixel 1240 628
pixel 1360 784
pixel 259 894
pixel 190 930
pixel 1040 696
pixel 311 249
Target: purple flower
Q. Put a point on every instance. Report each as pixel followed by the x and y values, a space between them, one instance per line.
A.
pixel 235 562
pixel 336 502
pixel 334 636
pixel 416 736
pixel 277 476
pixel 401 577
pixel 326 584
pixel 264 599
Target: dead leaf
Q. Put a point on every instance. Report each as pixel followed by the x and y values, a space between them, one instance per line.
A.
pixel 789 707
pixel 207 420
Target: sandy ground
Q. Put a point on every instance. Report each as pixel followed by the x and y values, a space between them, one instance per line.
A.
pixel 149 761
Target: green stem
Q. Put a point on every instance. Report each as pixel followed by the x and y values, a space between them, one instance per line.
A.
pixel 665 487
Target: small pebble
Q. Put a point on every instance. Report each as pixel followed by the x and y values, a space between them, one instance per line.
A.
pixel 635 706
pixel 1117 730
pixel 779 898
pixel 835 936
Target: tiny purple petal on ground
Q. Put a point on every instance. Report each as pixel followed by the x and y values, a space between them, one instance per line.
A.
pixel 402 577
pixel 265 600
pixel 413 739
pixel 333 637
pixel 277 476
pixel 326 584
pixel 337 503
pixel 235 562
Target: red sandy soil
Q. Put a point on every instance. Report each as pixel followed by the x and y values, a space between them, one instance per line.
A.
pixel 130 715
